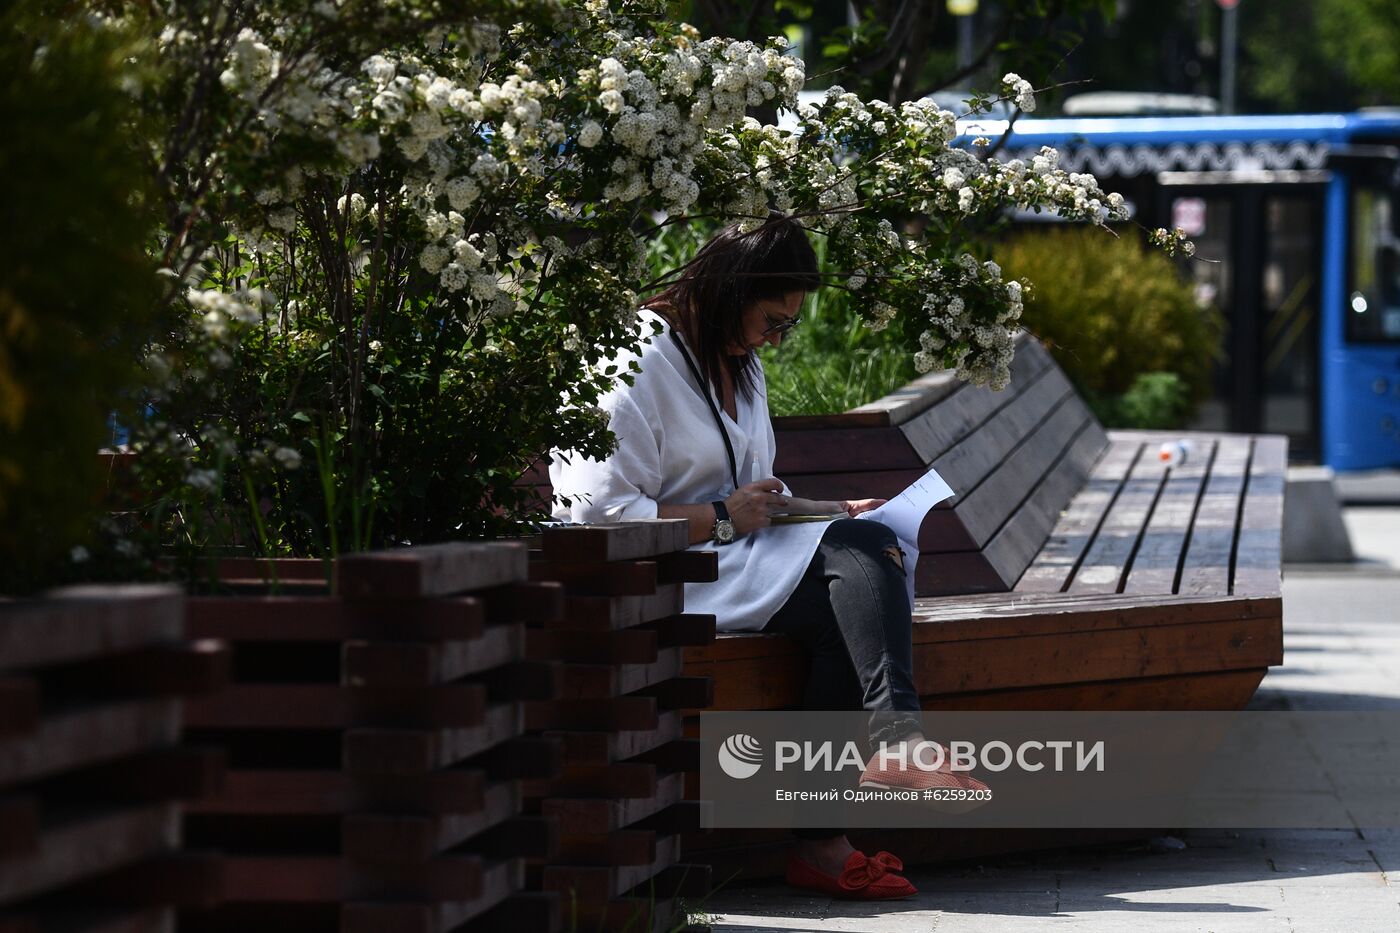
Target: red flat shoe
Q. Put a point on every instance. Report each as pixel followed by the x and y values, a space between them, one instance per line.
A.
pixel 864 878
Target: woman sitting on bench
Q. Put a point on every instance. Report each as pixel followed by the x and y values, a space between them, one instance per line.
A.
pixel 695 441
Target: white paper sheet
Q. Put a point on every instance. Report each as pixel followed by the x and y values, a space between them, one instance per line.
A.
pixel 905 512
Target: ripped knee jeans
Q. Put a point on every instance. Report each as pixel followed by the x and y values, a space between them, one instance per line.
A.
pixel 851 611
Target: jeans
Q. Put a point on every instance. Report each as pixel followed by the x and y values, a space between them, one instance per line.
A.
pixel 851 612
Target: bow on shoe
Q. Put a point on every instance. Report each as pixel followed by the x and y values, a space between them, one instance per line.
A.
pixel 862 871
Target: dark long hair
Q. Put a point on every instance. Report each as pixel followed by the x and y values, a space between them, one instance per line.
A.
pixel 729 274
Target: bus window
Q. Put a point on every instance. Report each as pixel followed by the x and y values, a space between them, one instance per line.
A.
pixel 1373 301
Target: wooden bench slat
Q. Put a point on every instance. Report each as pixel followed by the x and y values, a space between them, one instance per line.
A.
pixel 934 433
pixel 1163 545
pixel 1206 569
pixel 872 484
pixel 1014 616
pixel 604 747
pixel 976 457
pixel 1016 543
pixel 976 516
pixel 840 450
pixel 1056 561
pixel 600 815
pixel 1106 561
pixel 1259 552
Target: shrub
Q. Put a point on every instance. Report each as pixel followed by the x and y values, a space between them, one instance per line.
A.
pixel 1120 320
pixel 78 292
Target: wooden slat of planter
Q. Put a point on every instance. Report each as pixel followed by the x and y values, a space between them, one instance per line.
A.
pixel 620 541
pixel 50 919
pixel 936 431
pixel 531 603
pixel 86 847
pixel 623 847
pixel 80 622
pixel 596 882
pixel 1258 556
pixel 602 613
pixel 331 792
pixel 431 570
pixel 640 914
pixel 683 630
pixel 19 826
pixel 604 747
pixel 600 680
pixel 601 815
pixel 1058 558
pixel 279 879
pixel 174 773
pixel 533 911
pixel 599 578
pixel 87 736
pixel 682 693
pixel 426 664
pixel 325 706
pixel 416 751
pixel 326 618
pixel 687 567
pixel 626 646
pixel 20 705
pixel 499 881
pixel 155 670
pixel 1106 563
pixel 1163 544
pixel 418 837
pixel 613 713
pixel 975 517
pixel 625 780
pixel 1206 570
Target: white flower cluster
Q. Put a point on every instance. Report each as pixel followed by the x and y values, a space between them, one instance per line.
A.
pixel 1019 90
pixel 976 340
pixel 218 310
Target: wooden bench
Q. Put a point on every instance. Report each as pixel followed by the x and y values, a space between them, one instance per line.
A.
pixel 1072 569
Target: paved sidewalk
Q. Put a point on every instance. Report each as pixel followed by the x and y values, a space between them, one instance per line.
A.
pixel 1341 651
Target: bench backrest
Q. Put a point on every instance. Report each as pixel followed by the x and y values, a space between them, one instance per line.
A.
pixel 1014 459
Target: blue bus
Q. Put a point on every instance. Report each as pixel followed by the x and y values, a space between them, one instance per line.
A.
pixel 1300 212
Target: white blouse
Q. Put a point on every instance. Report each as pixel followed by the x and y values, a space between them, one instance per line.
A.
pixel 669 451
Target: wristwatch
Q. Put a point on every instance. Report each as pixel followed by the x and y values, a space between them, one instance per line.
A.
pixel 723 532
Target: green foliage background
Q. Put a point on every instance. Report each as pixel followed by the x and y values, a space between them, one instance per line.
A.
pixel 77 295
pixel 1120 321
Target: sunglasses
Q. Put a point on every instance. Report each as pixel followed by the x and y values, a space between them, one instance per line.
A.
pixel 779 325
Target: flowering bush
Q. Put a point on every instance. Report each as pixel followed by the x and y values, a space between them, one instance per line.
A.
pixel 399 242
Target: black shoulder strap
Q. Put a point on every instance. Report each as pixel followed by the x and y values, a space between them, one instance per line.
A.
pixel 714 409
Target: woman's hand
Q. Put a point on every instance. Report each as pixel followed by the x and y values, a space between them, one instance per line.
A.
pixel 751 506
pixel 854 507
